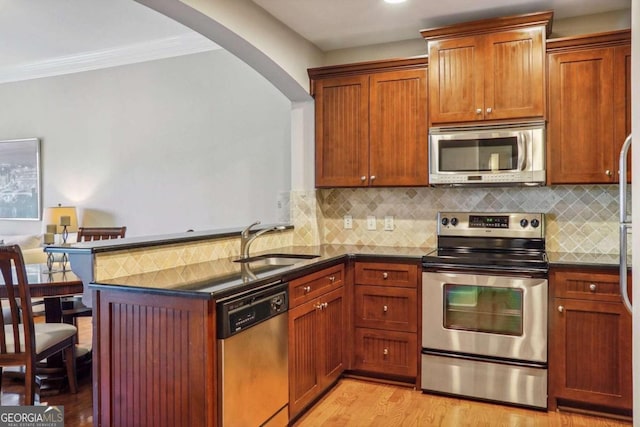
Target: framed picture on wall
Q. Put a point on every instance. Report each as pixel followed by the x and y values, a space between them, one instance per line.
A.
pixel 20 179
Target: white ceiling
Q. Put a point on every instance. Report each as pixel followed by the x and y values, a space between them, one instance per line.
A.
pixel 37 31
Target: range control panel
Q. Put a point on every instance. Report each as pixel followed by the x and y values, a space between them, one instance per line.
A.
pixel 482 224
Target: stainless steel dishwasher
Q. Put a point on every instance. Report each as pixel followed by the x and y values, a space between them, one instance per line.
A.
pixel 253 362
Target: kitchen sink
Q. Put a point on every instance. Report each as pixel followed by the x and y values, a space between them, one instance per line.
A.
pixel 276 259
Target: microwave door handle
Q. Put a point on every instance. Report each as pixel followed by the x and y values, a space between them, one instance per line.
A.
pixel 522 158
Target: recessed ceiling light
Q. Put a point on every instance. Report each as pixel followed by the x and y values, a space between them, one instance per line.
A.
pixel 394 1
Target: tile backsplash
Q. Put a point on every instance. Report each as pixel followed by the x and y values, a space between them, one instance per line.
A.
pixel 578 218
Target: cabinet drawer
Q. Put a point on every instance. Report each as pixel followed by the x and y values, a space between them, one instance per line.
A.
pixel 309 287
pixel 386 274
pixel 591 285
pixel 386 308
pixel 386 352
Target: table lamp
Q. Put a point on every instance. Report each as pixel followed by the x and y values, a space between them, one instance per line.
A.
pixel 60 220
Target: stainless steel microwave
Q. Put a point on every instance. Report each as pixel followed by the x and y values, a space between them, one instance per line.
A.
pixel 505 154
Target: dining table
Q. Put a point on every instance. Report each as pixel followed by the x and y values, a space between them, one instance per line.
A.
pixel 50 285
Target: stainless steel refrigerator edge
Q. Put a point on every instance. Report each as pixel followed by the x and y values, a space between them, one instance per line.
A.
pixel 625 222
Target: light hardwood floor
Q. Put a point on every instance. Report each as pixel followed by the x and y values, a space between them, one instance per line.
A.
pixel 352 403
pixel 357 403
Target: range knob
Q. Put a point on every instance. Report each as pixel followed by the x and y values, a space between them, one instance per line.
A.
pixel 445 221
pixel 535 223
pixel 524 223
pixel 454 221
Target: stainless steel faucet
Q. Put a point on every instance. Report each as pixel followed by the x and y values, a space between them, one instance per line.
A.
pixel 246 238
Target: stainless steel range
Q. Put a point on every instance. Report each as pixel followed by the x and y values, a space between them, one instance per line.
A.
pixel 484 308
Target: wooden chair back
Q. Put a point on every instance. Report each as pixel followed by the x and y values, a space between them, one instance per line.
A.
pixel 17 338
pixel 88 234
pixel 22 343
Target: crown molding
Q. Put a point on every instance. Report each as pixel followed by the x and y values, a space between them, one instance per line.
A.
pixel 168 47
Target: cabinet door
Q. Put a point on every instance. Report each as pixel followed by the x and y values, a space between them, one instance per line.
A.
pixel 456 88
pixel 398 128
pixel 331 330
pixel 590 353
pixel 304 383
pixel 622 102
pixel 342 131
pixel 514 74
pixel 580 132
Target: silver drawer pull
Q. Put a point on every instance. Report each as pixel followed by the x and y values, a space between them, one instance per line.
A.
pixel 560 309
pixel 385 275
pixel 332 279
pixel 385 308
pixel 307 289
pixel 592 287
pixel 385 351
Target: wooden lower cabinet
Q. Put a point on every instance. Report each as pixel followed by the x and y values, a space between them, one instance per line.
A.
pixel 386 319
pixel 590 342
pixel 316 348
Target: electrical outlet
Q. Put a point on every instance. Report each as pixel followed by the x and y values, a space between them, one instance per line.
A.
pixel 388 223
pixel 371 222
pixel 348 222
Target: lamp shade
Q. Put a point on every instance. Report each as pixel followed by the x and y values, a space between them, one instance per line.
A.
pixel 60 215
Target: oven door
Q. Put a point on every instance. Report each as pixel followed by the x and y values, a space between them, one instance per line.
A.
pixel 486 315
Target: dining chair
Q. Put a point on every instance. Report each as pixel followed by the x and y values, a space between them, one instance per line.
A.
pixel 22 341
pixel 72 307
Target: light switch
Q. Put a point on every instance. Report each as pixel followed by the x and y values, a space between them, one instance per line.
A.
pixel 371 222
pixel 388 223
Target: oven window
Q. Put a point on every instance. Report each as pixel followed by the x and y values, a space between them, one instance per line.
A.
pixel 483 309
pixel 478 155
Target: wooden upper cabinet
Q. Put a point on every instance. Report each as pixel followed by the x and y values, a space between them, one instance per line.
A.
pixel 371 124
pixel 589 107
pixel 342 131
pixel 398 128
pixel 488 70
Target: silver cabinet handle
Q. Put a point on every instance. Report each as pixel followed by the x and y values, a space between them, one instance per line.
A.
pixel 325 305
pixel 592 287
pixel 385 351
pixel 608 172
pixel 489 110
pixel 318 306
pixel 332 279
pixel 561 309
pixel 307 289
pixel 479 111
pixel 385 275
pixel 363 178
pixel 372 177
pixel 385 308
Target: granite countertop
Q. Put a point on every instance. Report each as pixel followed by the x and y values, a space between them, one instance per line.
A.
pixel 567 259
pixel 220 278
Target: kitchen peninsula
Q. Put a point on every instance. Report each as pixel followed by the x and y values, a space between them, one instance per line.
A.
pixel 155 332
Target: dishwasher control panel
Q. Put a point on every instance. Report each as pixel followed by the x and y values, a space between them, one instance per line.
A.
pixel 242 312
